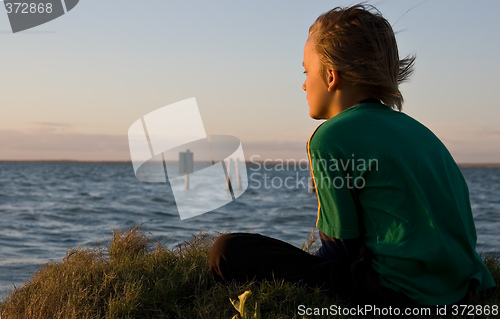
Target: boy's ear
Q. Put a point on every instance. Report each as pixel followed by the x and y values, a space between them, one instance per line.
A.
pixel 332 79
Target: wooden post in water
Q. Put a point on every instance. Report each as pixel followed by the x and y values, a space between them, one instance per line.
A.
pixel 228 168
pixel 238 178
pixel 186 166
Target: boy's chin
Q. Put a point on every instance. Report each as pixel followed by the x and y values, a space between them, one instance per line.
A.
pixel 316 116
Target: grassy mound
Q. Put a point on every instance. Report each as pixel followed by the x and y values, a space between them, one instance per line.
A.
pixel 132 279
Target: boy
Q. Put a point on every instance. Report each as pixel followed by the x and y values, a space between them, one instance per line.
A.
pixel 393 207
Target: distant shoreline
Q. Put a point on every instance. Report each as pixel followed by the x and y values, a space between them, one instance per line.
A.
pixel 479 165
pixel 269 163
pixel 61 162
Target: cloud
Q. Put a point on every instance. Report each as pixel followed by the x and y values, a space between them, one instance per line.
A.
pixel 55 141
pixel 277 145
pixel 275 150
pixel 46 144
pixel 50 127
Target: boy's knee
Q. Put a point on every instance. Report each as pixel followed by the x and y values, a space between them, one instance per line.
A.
pixel 228 244
pixel 219 255
pixel 221 246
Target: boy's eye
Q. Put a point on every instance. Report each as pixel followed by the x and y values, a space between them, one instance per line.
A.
pixel 305 72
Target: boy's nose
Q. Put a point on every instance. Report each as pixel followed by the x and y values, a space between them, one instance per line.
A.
pixel 304 86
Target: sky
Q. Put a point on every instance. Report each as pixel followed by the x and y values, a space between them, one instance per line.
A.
pixel 71 88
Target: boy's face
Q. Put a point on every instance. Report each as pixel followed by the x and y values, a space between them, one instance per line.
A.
pixel 315 84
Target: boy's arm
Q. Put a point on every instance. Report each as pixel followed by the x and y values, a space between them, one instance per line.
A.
pixel 334 249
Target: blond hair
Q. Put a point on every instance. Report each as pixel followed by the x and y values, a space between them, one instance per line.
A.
pixel 360 44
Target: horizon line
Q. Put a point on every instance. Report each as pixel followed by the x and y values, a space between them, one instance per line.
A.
pixel 270 162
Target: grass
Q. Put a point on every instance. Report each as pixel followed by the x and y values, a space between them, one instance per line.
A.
pixel 132 278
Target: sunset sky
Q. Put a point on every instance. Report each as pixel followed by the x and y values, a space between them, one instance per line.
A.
pixel 71 88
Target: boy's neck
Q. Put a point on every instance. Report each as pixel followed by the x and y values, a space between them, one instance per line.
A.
pixel 346 97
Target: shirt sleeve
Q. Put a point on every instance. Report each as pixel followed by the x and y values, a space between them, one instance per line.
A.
pixel 335 188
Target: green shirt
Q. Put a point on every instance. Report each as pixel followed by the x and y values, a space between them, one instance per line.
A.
pixel 383 176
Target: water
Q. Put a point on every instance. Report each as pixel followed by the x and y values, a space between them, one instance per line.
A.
pixel 47 208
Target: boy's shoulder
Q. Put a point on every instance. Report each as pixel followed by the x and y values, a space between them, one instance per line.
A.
pixel 369 123
pixel 355 119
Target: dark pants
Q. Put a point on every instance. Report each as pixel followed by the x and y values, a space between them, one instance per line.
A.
pixel 245 257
